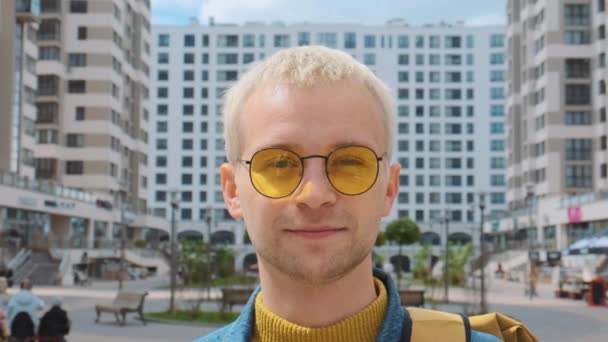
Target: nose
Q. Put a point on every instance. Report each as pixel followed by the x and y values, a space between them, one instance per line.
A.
pixel 315 191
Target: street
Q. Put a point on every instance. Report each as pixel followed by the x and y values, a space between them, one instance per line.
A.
pixel 551 319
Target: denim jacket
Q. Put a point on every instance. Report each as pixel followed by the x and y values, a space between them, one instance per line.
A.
pixel 391 330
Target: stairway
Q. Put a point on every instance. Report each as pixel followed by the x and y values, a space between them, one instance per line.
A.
pixel 44 269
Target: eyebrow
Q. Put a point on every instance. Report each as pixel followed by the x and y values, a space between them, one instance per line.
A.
pixel 298 147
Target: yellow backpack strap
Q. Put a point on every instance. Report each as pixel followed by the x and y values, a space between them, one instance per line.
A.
pixel 503 327
pixel 430 325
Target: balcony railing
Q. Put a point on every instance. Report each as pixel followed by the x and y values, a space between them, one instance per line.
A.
pixel 44 187
pixel 27 10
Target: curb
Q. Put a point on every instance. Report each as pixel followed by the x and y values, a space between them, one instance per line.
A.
pixel 183 323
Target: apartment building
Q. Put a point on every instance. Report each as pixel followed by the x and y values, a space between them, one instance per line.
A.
pixel 18 87
pixel 93 97
pixel 447 79
pixel 555 122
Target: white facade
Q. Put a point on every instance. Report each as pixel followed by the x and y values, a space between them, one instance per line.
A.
pixel 447 80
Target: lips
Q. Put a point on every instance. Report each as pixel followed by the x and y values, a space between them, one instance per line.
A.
pixel 315 233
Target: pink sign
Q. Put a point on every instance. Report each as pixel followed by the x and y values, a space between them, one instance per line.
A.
pixel 575 214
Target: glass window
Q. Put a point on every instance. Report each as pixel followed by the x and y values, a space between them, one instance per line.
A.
pixel 188 40
pixel 403 41
pixel 369 41
pixel 350 40
pixel 163 39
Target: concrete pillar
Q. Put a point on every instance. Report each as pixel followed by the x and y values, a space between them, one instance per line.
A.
pixel 61 231
pixel 90 233
pixel 561 236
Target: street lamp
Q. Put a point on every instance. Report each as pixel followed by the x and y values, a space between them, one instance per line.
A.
pixel 446 276
pixel 482 206
pixel 123 240
pixel 209 219
pixel 174 207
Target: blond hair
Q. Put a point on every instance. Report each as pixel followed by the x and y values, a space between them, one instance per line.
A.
pixel 303 67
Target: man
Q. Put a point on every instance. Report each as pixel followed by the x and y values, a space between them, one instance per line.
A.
pixel 54 324
pixel 24 301
pixel 309 140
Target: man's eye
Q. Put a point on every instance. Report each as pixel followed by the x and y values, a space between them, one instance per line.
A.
pixel 349 161
pixel 283 163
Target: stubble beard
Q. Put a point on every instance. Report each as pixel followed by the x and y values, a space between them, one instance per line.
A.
pixel 315 266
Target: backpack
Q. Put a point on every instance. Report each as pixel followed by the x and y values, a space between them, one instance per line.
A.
pixel 22 325
pixel 428 325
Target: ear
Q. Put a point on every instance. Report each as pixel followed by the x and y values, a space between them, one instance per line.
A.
pixel 230 191
pixel 392 188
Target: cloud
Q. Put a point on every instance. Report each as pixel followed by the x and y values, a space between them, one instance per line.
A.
pixel 486 19
pixel 181 4
pixel 415 12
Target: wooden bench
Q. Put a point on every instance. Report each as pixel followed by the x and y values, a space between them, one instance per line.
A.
pixel 412 297
pixel 125 302
pixel 235 296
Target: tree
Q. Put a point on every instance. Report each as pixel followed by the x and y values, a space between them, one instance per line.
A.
pixel 381 239
pixel 402 231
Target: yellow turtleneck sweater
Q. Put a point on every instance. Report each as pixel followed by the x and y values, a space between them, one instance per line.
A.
pixel 363 326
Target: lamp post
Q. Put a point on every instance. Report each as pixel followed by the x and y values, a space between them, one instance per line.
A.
pixel 209 219
pixel 446 275
pixel 482 257
pixel 123 241
pixel 174 207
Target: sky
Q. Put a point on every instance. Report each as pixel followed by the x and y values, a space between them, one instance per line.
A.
pixel 370 12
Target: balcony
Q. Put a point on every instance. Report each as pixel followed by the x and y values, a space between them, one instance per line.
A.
pixel 50 29
pixel 27 10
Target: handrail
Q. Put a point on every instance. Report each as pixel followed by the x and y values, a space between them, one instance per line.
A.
pixel 21 264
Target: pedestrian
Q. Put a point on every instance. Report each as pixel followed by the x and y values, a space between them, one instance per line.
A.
pixel 309 137
pixel 24 301
pixel 4 331
pixel 54 324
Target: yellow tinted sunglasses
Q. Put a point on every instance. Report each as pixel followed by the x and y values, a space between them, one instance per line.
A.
pixel 277 172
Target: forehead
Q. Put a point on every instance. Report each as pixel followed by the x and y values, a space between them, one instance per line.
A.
pixel 312 119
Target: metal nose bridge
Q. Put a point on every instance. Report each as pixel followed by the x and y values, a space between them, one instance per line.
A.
pixel 314 156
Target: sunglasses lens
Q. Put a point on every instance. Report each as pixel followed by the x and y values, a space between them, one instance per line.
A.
pixel 275 172
pixel 352 170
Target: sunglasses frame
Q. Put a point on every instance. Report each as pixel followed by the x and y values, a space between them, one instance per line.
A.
pixel 302 159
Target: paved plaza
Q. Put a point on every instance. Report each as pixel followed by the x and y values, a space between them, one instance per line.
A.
pixel 556 320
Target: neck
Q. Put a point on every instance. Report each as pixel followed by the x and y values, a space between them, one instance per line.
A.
pixel 318 305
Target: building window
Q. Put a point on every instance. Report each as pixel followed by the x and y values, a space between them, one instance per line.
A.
pixel 578 149
pixel 227 40
pixel 578 68
pixel 578 94
pixel 48 53
pixel 327 39
pixel 497 40
pixel 577 37
pixel 82 32
pixel 248 40
pixel 189 40
pixel 188 58
pixel 74 167
pixel 281 40
pixel 78 6
pixel 577 15
pixel 163 58
pixel 453 42
pixel 161 161
pixel 578 118
pixel 76 86
pixel 579 176
pixel 350 40
pixel 163 40
pixel 80 114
